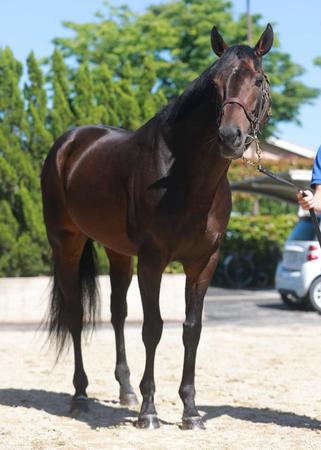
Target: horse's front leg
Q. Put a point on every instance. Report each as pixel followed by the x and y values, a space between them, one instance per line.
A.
pixel 150 270
pixel 198 277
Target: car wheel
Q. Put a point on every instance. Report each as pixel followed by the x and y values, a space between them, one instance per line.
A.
pixel 294 302
pixel 315 294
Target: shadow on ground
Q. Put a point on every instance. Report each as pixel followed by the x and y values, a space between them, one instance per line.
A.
pixel 105 413
pixel 108 413
pixel 261 415
pixel 286 308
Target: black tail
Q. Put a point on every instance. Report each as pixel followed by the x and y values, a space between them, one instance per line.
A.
pixel 89 298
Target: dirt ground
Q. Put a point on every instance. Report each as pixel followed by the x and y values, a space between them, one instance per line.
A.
pixel 257 388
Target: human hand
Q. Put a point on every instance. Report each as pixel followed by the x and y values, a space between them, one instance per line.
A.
pixel 306 200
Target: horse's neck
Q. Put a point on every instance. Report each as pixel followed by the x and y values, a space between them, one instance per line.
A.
pixel 194 144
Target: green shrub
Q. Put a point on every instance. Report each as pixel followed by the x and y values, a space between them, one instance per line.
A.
pixel 261 237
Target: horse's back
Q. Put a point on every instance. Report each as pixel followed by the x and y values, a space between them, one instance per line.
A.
pixel 73 143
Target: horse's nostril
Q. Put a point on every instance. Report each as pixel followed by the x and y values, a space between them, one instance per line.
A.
pixel 238 136
pixel 230 135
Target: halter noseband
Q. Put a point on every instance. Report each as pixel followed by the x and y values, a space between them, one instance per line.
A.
pixel 250 116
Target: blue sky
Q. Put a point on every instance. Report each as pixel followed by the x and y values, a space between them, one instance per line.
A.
pixel 30 25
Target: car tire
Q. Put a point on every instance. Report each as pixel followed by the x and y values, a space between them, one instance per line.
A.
pixel 295 303
pixel 315 295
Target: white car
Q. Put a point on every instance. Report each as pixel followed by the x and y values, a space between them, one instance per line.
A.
pixel 298 275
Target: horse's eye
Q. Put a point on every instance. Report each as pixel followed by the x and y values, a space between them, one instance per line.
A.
pixel 259 81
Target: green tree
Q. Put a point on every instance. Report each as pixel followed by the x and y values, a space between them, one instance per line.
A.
pixel 83 102
pixel 127 106
pixel 106 96
pixel 288 92
pixel 61 116
pixel 13 118
pixel 317 61
pixel 148 102
pixel 8 236
pixel 21 241
pixel 39 138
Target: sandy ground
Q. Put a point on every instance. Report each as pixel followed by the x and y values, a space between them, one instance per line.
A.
pixel 257 388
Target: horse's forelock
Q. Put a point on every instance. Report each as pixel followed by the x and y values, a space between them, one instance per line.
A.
pixel 237 53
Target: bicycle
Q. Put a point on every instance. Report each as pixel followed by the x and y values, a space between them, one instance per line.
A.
pixel 240 271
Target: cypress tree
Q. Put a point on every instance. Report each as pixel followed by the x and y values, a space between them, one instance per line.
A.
pixel 146 99
pixel 12 119
pixel 128 107
pixel 8 236
pixel 39 138
pixel 61 116
pixel 34 91
pixel 83 102
pixel 21 243
pixel 106 96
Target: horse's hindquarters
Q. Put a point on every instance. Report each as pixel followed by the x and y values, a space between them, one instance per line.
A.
pixel 97 200
pixel 85 186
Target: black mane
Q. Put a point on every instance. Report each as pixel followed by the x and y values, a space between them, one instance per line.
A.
pixel 202 87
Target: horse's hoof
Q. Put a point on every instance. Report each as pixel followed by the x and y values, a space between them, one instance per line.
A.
pixel 128 399
pixel 148 422
pixel 193 423
pixel 79 404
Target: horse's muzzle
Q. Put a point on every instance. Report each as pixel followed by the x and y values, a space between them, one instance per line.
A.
pixel 232 140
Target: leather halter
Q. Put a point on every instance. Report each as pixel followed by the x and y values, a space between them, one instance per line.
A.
pixel 255 118
pixel 251 117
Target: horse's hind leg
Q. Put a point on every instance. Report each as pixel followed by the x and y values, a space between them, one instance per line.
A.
pixel 66 308
pixel 121 270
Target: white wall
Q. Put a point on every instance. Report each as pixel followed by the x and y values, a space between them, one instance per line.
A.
pixel 25 300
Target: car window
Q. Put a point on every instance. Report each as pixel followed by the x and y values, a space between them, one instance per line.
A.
pixel 303 230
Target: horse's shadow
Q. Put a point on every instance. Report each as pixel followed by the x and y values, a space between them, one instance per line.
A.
pixel 261 415
pixel 101 413
pixel 106 414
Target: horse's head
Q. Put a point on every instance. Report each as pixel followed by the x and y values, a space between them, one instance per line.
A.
pixel 244 92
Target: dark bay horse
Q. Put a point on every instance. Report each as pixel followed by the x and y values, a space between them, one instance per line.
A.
pixel 160 193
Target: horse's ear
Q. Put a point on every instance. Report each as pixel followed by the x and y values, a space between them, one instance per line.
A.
pixel 265 42
pixel 218 44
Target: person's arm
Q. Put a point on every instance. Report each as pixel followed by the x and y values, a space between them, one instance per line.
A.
pixel 311 201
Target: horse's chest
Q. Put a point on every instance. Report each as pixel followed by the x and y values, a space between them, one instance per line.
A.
pixel 186 233
pixel 182 221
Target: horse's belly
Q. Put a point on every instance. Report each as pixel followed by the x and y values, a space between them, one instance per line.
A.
pixel 102 218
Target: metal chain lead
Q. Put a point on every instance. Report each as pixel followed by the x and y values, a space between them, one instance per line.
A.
pixel 255 126
pixel 258 151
